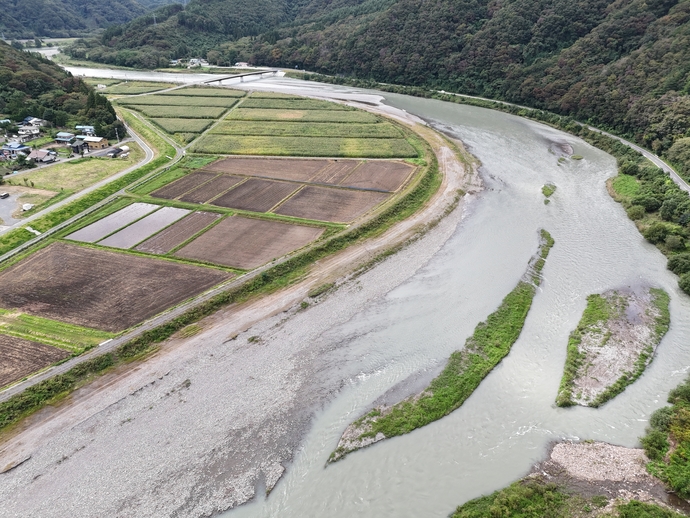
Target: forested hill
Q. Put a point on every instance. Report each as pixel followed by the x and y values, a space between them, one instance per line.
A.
pixel 63 18
pixel 31 85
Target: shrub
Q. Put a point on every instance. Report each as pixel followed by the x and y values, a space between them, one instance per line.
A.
pixel 680 394
pixel 650 203
pixel 684 282
pixel 655 444
pixel 661 419
pixel 656 232
pixel 675 243
pixel 679 264
pixel 636 212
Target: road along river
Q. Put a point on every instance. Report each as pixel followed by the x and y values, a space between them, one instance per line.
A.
pixel 192 431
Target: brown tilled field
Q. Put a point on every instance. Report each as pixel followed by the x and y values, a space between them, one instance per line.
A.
pixel 184 184
pixel 325 204
pixel 379 175
pixel 21 357
pixel 95 288
pixel 247 243
pixel 256 195
pixel 178 233
pixel 280 169
pixel 211 189
pixel 335 172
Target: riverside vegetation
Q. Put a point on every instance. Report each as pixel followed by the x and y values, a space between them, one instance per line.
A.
pixel 612 345
pixel 463 373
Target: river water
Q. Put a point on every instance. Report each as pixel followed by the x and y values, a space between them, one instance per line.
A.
pixel 508 423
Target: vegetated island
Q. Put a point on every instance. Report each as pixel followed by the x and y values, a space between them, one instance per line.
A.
pixel 463 373
pixel 612 345
pixel 548 190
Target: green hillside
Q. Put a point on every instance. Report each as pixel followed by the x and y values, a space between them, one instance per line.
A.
pixel 31 85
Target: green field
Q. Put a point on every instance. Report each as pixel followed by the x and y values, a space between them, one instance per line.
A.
pixel 194 91
pixel 272 95
pixel 78 174
pixel 294 104
pixel 50 332
pixel 179 112
pixel 258 114
pixel 183 125
pixel 296 146
pixel 314 129
pixel 179 100
pixel 135 87
pixel 95 81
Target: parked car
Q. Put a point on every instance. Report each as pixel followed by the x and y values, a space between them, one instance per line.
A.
pixel 4 195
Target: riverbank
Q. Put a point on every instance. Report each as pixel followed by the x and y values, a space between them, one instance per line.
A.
pixel 196 450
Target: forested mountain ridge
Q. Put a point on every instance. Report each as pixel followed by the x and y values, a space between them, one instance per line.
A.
pixel 31 85
pixel 64 18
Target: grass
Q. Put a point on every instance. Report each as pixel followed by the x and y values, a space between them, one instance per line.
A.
pixel 626 186
pixel 272 95
pixel 36 397
pixel 193 91
pixel 172 100
pixel 548 190
pixel 296 146
pixel 179 112
pixel 466 368
pixel 75 175
pixel 255 114
pixel 95 81
pixel 536 498
pixel 134 87
pixel 182 125
pixel 75 339
pixel 160 180
pixel 294 104
pixel 301 129
pixel 598 312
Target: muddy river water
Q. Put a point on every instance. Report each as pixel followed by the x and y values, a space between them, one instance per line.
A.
pixel 507 424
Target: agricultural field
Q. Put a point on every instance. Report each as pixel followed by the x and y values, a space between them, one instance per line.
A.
pixel 144 228
pixel 296 103
pixel 202 91
pixel 379 175
pixel 267 114
pixel 303 129
pixel 111 223
pixel 178 100
pixel 23 357
pixel 256 195
pixel 248 243
pixel 173 126
pixel 179 112
pixel 75 175
pixel 100 289
pixel 311 146
pixel 178 233
pixel 277 168
pixel 132 87
pixel 327 204
pixel 184 184
pixel 210 190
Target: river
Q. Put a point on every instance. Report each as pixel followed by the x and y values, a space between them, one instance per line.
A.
pixel 507 424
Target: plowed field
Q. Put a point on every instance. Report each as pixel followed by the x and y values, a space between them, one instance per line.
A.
pixel 280 169
pixel 144 228
pixel 247 243
pixel 184 184
pixel 21 357
pixel 211 189
pixel 379 175
pixel 256 195
pixel 94 288
pixel 178 233
pixel 335 172
pixel 335 205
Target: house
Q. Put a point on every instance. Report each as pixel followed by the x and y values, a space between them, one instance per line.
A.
pixel 42 156
pixel 64 137
pixel 33 121
pixel 79 146
pixel 16 147
pixel 96 142
pixel 31 132
pixel 101 86
pixel 5 121
pixel 241 64
pixel 89 131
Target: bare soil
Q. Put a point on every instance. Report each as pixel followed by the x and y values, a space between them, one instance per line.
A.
pixel 335 172
pixel 334 205
pixel 247 243
pixel 184 184
pixel 101 228
pixel 22 357
pixel 178 233
pixel 256 195
pixel 279 168
pixel 379 175
pixel 144 228
pixel 100 289
pixel 211 189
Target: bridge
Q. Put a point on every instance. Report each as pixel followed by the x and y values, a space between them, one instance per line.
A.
pixel 260 73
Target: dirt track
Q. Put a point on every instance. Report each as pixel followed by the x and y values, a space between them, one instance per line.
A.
pixel 164 438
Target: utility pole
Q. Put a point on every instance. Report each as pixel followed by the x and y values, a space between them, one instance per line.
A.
pixel 154 19
pixel 117 134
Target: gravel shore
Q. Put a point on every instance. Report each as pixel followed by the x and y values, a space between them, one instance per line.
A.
pixel 195 429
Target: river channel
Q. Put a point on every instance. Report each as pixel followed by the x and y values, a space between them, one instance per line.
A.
pixel 508 423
